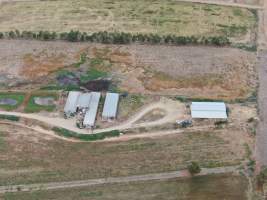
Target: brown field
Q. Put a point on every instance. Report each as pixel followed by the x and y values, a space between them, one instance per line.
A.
pixel 234 188
pixel 207 72
pixel 29 157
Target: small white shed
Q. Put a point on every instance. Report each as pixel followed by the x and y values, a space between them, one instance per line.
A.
pixel 110 106
pixel 71 103
pixel 90 115
pixel 208 110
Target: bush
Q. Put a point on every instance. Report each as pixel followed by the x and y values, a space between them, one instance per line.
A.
pixel 262 176
pixel 194 168
pixel 86 137
pixel 10 117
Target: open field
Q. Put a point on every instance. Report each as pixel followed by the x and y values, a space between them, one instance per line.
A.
pixel 234 188
pixel 204 72
pixel 160 16
pixel 48 159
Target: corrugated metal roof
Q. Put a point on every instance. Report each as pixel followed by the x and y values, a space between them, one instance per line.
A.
pixel 210 110
pixel 111 105
pixel 90 116
pixel 71 103
pixel 84 100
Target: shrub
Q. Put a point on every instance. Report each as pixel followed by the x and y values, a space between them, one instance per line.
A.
pixel 10 117
pixel 194 168
pixel 86 137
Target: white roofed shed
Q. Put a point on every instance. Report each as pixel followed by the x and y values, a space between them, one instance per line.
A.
pixel 90 115
pixel 84 100
pixel 110 106
pixel 208 110
pixel 71 103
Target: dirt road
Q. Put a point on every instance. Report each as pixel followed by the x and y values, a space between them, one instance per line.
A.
pixel 110 180
pixel 173 109
pixel 223 3
pixel 261 138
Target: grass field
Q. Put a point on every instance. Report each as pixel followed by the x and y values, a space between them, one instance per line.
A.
pixel 19 97
pixel 32 107
pixel 197 188
pixel 48 159
pixel 151 16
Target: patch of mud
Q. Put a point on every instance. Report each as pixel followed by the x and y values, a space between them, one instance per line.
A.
pixel 97 85
pixel 8 101
pixel 44 101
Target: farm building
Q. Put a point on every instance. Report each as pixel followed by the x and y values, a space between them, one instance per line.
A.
pixel 110 106
pixel 90 115
pixel 208 110
pixel 71 103
pixel 84 100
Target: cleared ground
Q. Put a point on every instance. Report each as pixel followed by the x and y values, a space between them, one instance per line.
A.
pixel 160 16
pixel 207 72
pixel 234 188
pixel 30 157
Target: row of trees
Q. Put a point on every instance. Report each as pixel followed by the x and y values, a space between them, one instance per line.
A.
pixel 117 38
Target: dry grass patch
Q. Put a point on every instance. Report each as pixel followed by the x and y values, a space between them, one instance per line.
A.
pixel 60 160
pixel 157 16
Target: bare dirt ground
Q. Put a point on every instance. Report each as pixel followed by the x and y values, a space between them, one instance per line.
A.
pixel 192 71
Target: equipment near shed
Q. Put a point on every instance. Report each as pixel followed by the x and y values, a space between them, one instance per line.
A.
pixel 71 103
pixel 184 123
pixel 110 106
pixel 208 110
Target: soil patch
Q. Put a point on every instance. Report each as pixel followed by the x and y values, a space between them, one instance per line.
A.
pixel 44 101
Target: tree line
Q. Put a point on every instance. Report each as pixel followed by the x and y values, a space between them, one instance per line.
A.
pixel 117 38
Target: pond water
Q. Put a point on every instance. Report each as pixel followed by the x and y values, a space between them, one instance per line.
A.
pixel 8 101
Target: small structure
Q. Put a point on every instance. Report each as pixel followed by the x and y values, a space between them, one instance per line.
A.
pixel 71 103
pixel 84 101
pixel 208 110
pixel 90 115
pixel 110 106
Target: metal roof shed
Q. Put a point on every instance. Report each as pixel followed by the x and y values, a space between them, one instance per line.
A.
pixel 208 110
pixel 90 115
pixel 71 103
pixel 110 106
pixel 84 100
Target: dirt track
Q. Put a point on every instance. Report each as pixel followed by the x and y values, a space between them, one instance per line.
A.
pixel 110 180
pixel 261 140
pixel 223 3
pixel 174 111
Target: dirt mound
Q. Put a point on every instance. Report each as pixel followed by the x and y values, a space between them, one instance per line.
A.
pixel 44 101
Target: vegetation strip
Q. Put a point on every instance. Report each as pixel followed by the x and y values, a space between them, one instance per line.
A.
pixel 86 137
pixel 10 117
pixel 118 38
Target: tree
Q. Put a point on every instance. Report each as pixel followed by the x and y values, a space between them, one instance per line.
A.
pixel 194 168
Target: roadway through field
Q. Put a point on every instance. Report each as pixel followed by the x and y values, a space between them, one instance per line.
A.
pixel 261 137
pixel 112 180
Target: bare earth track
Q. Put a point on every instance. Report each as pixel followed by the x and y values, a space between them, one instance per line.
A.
pixel 110 180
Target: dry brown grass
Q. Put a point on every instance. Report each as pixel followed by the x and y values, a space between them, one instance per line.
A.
pixel 57 160
pixel 158 16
